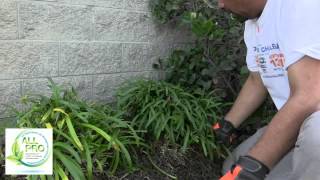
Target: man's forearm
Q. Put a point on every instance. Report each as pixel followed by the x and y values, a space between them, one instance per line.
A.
pixel 251 96
pixel 282 131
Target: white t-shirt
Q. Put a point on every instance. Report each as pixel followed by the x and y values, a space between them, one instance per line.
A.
pixel 286 31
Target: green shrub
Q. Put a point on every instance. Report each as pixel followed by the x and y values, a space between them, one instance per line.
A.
pixel 87 137
pixel 202 27
pixel 165 10
pixel 191 69
pixel 168 111
pixel 217 59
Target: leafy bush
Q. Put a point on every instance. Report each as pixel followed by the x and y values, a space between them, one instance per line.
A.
pixel 165 10
pixel 86 136
pixel 203 27
pixel 194 71
pixel 168 111
pixel 189 69
pixel 217 59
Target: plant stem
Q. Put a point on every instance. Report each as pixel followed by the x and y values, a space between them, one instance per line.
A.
pixel 229 85
pixel 158 168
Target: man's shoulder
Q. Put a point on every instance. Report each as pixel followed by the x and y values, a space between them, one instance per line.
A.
pixel 250 26
pixel 250 22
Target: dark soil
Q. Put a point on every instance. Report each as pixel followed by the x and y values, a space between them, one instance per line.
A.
pixel 192 165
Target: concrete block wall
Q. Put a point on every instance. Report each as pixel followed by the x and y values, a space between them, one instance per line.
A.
pixel 93 45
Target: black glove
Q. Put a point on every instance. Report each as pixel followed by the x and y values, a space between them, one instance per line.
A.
pixel 225 132
pixel 247 168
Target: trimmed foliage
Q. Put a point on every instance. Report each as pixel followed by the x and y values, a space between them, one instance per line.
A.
pixel 168 111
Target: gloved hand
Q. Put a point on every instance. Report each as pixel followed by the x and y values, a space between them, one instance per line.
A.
pixel 225 132
pixel 247 168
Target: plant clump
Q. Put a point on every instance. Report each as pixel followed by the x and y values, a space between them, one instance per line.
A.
pixel 168 111
pixel 88 138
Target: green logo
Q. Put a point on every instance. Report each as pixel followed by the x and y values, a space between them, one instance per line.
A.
pixel 30 148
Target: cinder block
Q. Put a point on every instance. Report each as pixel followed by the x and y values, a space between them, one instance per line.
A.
pixel 35 87
pixel 116 25
pixel 101 3
pixel 55 22
pixel 7 122
pixel 171 33
pixel 152 75
pixel 10 93
pixel 82 84
pixel 106 86
pixel 28 59
pixel 89 58
pixel 58 1
pixel 141 57
pixel 162 50
pixel 140 5
pixel 137 57
pixel 8 20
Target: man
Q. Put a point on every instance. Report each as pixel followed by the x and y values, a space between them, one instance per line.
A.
pixel 283 53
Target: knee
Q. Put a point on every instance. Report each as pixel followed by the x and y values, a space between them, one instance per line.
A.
pixel 308 139
pixel 241 150
pixel 228 162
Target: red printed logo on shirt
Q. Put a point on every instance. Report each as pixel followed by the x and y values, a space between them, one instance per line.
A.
pixel 277 60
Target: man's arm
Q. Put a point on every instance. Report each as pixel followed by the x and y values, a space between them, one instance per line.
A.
pixel 282 132
pixel 251 96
